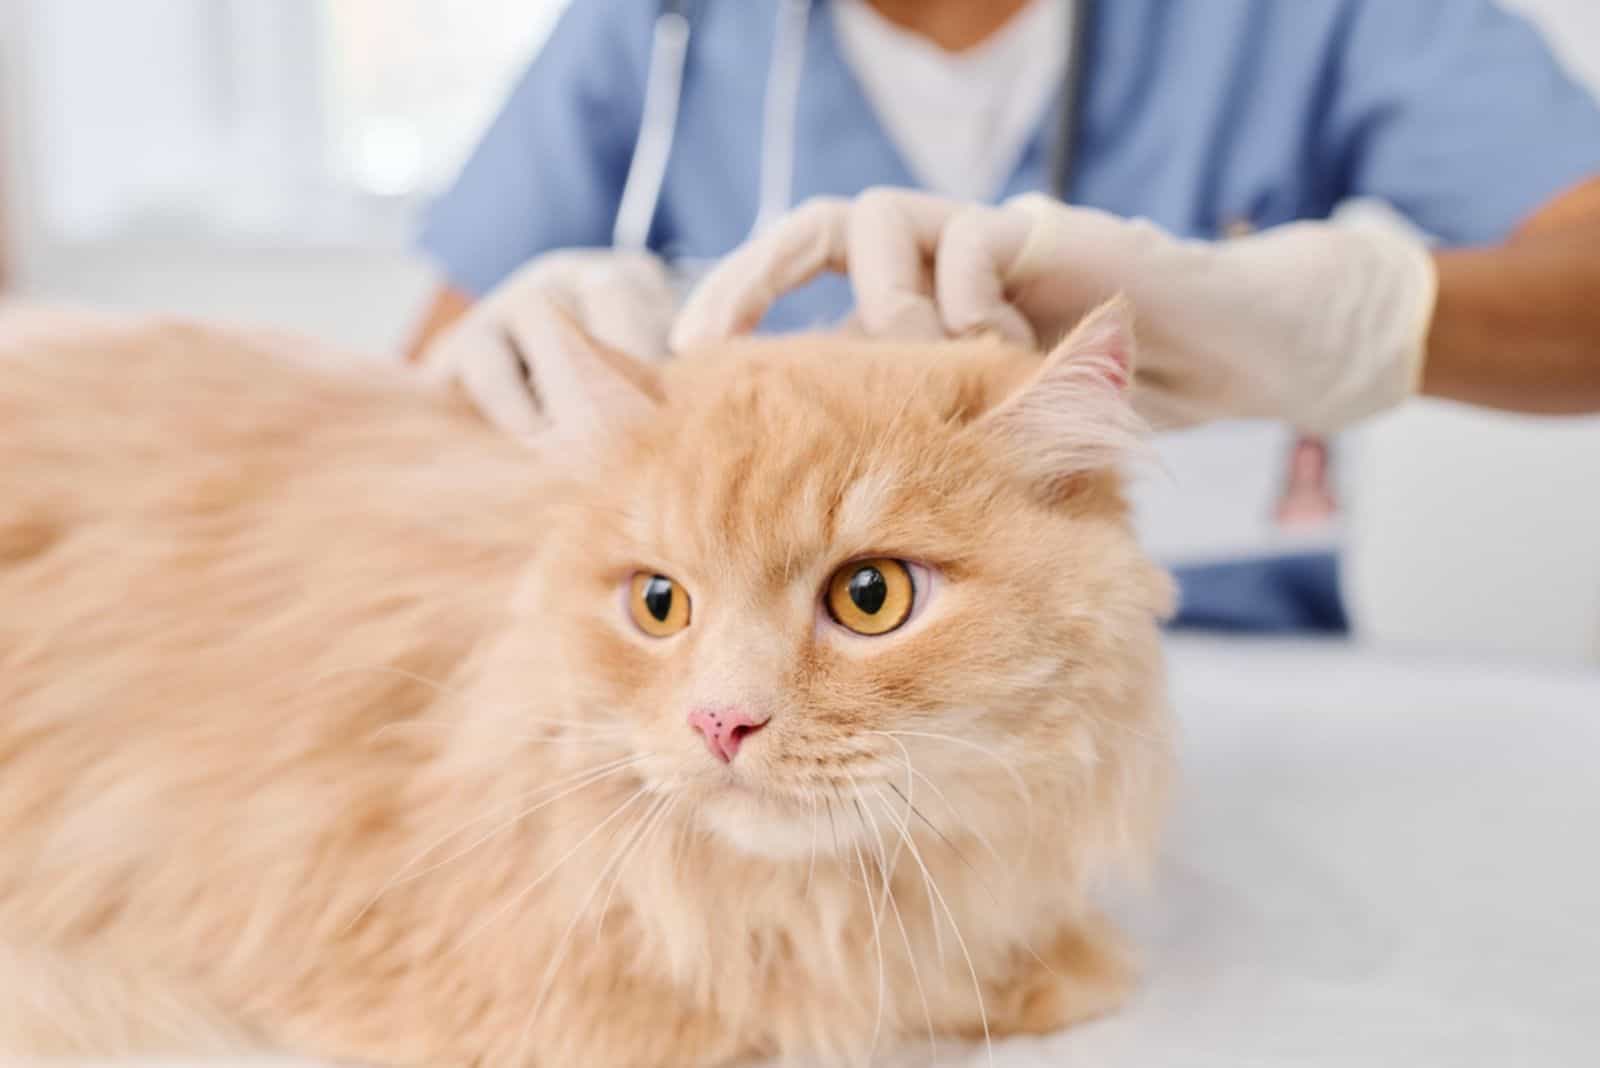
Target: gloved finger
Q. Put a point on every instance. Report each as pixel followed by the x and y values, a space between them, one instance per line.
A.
pixel 561 270
pixel 850 326
pixel 479 330
pixel 973 270
pixel 1059 235
pixel 893 235
pixel 492 371
pixel 629 304
pixel 1050 262
pixel 630 325
pixel 732 299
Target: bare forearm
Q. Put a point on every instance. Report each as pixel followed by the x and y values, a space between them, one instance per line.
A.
pixel 1518 327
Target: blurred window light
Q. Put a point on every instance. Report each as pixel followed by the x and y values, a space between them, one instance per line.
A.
pixel 412 82
pixel 273 121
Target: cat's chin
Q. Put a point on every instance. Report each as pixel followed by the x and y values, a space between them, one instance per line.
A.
pixel 761 825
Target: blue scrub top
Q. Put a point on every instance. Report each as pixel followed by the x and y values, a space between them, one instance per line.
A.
pixel 1197 114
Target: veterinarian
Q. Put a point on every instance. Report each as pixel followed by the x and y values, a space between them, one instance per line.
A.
pixel 672 131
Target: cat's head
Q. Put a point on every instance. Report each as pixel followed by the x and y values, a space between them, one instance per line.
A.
pixel 806 575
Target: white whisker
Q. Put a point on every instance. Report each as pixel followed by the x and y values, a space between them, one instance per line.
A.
pixel 877 945
pixel 566 936
pixel 1016 777
pixel 652 818
pixel 938 929
pixel 868 826
pixel 894 862
pixel 966 824
pixel 833 826
pixel 972 970
pixel 525 891
pixel 899 920
pixel 590 776
pixel 811 868
pixel 916 972
pixel 982 880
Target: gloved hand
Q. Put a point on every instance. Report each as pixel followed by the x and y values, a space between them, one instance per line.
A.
pixel 624 299
pixel 1316 324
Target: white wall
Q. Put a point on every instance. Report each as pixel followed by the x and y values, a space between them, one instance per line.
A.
pixel 1477 531
pixel 361 299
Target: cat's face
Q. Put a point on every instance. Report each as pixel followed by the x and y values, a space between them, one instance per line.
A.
pixel 801 569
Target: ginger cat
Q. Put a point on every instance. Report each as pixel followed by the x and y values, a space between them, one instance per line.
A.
pixel 787 700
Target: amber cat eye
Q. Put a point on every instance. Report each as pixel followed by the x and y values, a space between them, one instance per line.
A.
pixel 871 596
pixel 659 606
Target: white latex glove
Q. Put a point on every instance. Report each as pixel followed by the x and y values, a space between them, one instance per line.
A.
pixel 1317 324
pixel 625 299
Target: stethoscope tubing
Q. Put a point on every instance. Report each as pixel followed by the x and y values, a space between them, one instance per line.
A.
pixel 669 50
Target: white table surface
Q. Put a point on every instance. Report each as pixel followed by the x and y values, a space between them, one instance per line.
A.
pixel 1374 860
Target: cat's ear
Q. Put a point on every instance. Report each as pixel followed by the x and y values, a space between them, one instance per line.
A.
pixel 1073 417
pixel 581 385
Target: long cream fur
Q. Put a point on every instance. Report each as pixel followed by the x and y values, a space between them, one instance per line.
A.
pixel 324 728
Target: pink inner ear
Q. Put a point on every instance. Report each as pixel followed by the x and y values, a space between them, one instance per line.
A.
pixel 1074 416
pixel 1117 370
pixel 1106 338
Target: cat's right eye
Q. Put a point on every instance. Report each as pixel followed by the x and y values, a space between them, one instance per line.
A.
pixel 658 605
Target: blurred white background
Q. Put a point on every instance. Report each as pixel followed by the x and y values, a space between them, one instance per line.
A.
pixel 260 161
pixel 263 161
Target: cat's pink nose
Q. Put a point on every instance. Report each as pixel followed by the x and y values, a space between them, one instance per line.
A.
pixel 725 729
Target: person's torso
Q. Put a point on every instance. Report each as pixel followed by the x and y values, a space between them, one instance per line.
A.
pixel 1201 115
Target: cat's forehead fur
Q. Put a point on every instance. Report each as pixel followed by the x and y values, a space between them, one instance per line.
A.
pixel 809 445
pixel 846 383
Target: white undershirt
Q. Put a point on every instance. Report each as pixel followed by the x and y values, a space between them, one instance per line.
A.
pixel 960 120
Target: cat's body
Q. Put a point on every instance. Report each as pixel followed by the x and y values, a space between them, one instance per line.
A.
pixel 287 660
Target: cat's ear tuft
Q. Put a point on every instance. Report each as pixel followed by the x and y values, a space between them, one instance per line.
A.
pixel 1103 343
pixel 1072 417
pixel 582 385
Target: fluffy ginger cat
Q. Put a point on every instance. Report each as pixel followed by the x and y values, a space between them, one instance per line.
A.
pixel 788 701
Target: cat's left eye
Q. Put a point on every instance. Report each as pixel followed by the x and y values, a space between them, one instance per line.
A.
pixel 658 605
pixel 872 597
